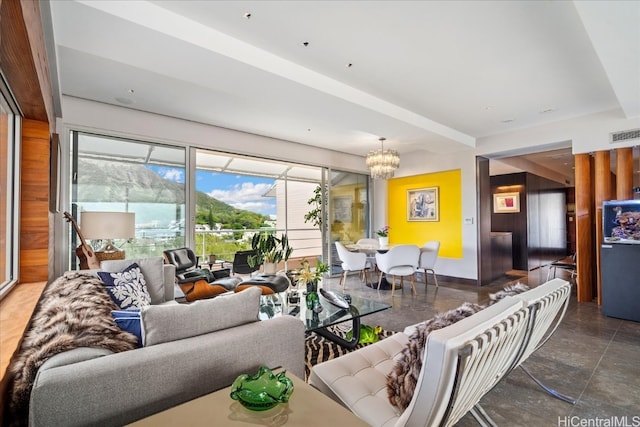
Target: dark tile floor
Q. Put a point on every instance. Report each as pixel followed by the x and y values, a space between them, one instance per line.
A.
pixel 593 358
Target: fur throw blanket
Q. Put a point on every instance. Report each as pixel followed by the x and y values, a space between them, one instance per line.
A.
pixel 73 311
pixel 402 380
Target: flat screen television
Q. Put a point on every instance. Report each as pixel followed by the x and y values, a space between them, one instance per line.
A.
pixel 621 221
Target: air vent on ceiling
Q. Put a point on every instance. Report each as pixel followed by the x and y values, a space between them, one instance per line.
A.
pixel 627 135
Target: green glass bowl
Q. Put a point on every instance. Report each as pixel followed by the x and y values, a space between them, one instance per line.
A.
pixel 262 391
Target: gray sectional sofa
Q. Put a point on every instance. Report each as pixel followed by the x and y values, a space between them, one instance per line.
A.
pixel 190 350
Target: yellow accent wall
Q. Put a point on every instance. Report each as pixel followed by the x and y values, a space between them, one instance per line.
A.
pixel 448 229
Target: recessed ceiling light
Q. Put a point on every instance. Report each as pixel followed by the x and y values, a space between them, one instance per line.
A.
pixel 489 107
pixel 131 91
pixel 247 15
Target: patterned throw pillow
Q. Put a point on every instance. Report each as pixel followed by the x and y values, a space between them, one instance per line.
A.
pixel 127 288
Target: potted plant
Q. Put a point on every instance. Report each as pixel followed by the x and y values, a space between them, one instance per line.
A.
pixel 383 236
pixel 310 278
pixel 270 250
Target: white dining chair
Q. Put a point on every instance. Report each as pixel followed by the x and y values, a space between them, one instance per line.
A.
pixel 352 261
pixel 367 243
pixel 428 258
pixel 400 260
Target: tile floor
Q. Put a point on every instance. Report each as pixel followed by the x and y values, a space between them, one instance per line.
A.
pixel 593 358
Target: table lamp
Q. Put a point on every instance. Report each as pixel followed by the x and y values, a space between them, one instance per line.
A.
pixel 108 226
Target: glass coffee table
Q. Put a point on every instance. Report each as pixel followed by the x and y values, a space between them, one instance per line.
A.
pixel 278 305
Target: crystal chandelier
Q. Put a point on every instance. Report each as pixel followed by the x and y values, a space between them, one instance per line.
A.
pixel 382 163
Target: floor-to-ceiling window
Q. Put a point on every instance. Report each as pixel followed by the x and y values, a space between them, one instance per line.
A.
pixel 214 202
pixel 9 191
pixel 238 196
pixel 118 175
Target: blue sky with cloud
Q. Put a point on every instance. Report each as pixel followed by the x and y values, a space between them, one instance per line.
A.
pixel 239 191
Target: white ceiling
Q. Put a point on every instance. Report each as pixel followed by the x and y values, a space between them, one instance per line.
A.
pixel 427 75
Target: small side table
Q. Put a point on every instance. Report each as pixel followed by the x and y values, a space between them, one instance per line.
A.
pixel 307 407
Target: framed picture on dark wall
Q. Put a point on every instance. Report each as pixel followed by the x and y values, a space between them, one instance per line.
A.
pixel 423 204
pixel 506 203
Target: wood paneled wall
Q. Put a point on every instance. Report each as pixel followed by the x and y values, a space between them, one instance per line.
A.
pixel 585 253
pixel 624 173
pixel 34 202
pixel 24 59
pixel 602 192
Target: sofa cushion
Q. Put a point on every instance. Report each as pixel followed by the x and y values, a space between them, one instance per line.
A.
pixel 127 288
pixel 152 269
pixel 163 323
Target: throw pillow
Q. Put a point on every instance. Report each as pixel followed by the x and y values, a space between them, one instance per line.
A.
pixel 402 380
pixel 153 270
pixel 163 323
pixel 128 289
pixel 129 320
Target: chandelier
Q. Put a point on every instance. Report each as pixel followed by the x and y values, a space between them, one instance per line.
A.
pixel 382 163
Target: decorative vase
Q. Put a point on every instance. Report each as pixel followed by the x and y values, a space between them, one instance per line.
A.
pixel 384 241
pixel 312 299
pixel 269 268
pixel 262 391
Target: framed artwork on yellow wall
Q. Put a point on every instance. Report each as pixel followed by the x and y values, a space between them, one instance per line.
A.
pixel 423 204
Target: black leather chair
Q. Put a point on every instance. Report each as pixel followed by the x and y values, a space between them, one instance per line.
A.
pixel 241 263
pixel 197 283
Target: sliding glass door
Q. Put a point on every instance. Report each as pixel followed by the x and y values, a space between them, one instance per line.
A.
pixel 238 196
pixel 348 211
pixel 118 175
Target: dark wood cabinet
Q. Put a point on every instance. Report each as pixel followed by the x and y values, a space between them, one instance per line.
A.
pixel 501 254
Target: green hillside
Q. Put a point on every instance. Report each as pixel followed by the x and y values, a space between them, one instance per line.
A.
pixel 211 211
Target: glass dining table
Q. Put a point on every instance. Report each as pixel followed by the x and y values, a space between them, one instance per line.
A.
pixel 275 305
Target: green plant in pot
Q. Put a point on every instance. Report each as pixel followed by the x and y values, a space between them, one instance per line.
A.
pixel 270 250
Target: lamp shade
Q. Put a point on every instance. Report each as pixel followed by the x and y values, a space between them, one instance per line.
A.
pixel 108 225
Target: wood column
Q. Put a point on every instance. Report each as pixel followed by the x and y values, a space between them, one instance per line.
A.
pixel 584 228
pixel 624 173
pixel 602 192
pixel 34 202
